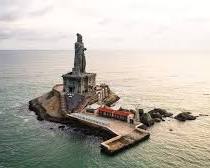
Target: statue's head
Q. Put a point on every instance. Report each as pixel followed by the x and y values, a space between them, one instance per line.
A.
pixel 79 38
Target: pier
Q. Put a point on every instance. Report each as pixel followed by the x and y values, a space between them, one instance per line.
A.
pixel 127 134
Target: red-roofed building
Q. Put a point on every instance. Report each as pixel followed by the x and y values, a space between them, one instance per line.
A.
pixel 116 114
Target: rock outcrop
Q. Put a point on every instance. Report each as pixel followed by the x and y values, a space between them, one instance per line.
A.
pixel 47 107
pixel 111 99
pixel 157 119
pixel 146 119
pixel 159 113
pixel 185 116
pixel 142 126
pixel 155 114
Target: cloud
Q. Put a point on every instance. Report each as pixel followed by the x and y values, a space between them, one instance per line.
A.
pixel 5 35
pixel 119 24
pixel 12 10
pixel 8 17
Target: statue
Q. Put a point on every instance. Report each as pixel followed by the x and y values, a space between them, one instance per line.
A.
pixel 79 59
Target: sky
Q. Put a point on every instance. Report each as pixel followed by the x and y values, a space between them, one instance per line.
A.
pixel 105 24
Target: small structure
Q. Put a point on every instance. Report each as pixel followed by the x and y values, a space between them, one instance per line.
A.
pixel 116 114
pixel 79 81
pixel 102 91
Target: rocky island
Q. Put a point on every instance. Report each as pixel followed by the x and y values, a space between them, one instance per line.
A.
pixel 80 101
pixel 68 103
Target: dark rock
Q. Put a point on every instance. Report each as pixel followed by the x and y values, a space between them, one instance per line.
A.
pixel 185 116
pixel 168 114
pixel 141 112
pixel 160 111
pixel 90 110
pixel 146 119
pixel 203 115
pixel 76 129
pixel 61 126
pixel 142 126
pixel 39 118
pixel 170 129
pixel 157 120
pixel 155 114
pixel 113 98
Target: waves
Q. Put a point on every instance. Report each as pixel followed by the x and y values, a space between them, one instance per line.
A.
pixel 175 84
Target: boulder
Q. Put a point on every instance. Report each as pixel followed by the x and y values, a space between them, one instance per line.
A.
pixel 157 120
pixel 162 112
pixel 61 127
pixel 203 115
pixel 111 99
pixel 155 114
pixel 185 116
pixel 146 119
pixel 142 126
pixel 140 112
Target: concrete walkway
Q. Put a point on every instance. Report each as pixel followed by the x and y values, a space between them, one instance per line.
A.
pixel 116 126
pixel 127 134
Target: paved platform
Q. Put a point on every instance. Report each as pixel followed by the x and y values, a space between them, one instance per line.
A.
pixel 127 134
pixel 116 126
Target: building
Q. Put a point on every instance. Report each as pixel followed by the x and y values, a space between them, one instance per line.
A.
pixel 102 91
pixel 116 114
pixel 79 81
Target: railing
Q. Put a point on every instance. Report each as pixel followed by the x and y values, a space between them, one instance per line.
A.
pixel 89 119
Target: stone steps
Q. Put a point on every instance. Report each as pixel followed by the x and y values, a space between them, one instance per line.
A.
pixel 62 102
pixel 83 105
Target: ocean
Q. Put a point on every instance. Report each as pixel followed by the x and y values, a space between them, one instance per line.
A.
pixel 175 81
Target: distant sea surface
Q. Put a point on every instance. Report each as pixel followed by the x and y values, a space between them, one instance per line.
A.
pixel 175 81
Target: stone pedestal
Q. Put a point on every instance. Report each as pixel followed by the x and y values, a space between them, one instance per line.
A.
pixel 80 84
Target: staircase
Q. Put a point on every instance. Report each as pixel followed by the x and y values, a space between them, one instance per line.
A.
pixel 63 102
pixel 83 104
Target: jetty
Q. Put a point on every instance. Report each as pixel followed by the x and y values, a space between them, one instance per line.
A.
pixel 127 134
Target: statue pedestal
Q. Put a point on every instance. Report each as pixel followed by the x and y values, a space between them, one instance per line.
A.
pixel 80 83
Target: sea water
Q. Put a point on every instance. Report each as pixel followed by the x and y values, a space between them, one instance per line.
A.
pixel 175 81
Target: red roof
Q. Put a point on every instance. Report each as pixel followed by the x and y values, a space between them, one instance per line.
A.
pixel 105 109
pixel 117 112
pixel 122 113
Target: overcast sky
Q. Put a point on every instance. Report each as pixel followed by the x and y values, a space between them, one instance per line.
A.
pixel 105 24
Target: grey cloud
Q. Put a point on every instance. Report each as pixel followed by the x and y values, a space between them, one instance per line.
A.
pixel 5 35
pixel 31 35
pixel 8 17
pixel 16 9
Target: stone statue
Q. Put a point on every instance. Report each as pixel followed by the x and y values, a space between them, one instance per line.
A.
pixel 79 59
